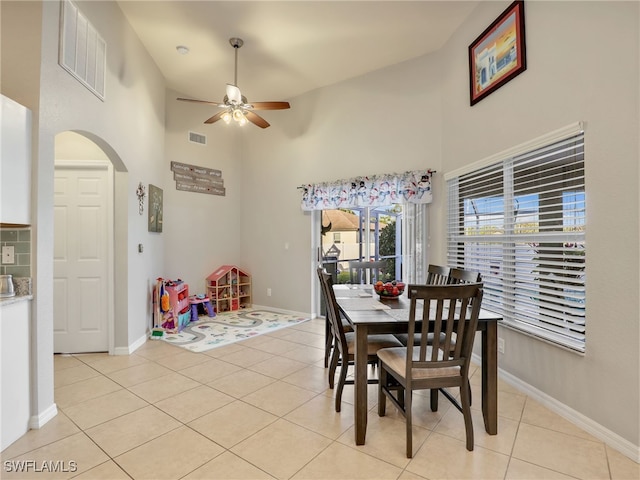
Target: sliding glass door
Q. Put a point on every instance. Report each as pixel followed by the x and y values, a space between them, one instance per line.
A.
pixel 362 234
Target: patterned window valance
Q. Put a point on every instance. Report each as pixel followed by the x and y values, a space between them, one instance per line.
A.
pixel 371 191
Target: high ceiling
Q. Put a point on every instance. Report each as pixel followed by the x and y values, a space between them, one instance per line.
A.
pixel 290 47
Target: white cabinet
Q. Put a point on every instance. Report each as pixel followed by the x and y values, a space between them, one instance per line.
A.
pixel 15 364
pixel 15 163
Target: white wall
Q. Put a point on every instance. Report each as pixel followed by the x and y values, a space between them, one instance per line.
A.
pixel 582 65
pixel 201 231
pixel 128 126
pixel 131 123
pixel 387 121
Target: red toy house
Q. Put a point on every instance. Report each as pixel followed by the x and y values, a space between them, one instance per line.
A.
pixel 229 289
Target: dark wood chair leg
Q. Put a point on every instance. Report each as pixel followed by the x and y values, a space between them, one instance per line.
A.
pixel 466 412
pixel 407 415
pixel 434 400
pixel 382 398
pixel 328 342
pixel 341 382
pixel 332 368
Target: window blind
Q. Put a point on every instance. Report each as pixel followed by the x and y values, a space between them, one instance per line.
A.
pixel 521 222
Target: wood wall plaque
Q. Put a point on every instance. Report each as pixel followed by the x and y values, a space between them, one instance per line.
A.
pixel 192 178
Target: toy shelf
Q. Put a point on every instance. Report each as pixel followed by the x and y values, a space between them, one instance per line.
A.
pixel 229 289
pixel 178 314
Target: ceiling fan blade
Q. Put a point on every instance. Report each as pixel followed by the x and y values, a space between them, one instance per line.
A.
pixel 270 105
pixel 216 117
pixel 256 119
pixel 217 104
pixel 234 94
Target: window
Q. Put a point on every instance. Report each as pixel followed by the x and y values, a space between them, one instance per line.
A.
pixel 350 240
pixel 519 219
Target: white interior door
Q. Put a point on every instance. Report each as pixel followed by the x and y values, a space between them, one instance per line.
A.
pixel 81 258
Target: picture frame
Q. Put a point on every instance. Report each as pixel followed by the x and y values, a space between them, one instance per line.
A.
pixel 155 209
pixel 498 55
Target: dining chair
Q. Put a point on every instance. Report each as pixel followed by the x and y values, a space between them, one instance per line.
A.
pixel 455 276
pixel 451 310
pixel 329 337
pixel 458 275
pixel 358 271
pixel 437 275
pixel 344 342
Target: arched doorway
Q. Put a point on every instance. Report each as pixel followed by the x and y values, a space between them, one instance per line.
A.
pixel 85 213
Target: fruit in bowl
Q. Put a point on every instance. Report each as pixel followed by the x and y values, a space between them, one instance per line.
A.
pixel 389 289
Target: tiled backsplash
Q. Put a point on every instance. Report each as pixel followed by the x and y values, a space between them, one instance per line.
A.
pixel 20 239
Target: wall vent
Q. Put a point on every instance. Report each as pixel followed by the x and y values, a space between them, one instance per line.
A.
pixel 82 51
pixel 197 138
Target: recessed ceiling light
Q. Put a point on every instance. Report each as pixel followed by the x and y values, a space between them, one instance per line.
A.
pixel 182 50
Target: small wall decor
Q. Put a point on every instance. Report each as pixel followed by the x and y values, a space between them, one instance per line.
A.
pixel 498 54
pixel 141 193
pixel 155 209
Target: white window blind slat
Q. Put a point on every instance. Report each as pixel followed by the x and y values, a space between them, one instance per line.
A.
pixel 520 221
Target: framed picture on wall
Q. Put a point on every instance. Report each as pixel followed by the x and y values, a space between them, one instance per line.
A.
pixel 498 54
pixel 155 209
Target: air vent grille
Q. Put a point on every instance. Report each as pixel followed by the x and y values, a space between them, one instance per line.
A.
pixel 83 52
pixel 197 138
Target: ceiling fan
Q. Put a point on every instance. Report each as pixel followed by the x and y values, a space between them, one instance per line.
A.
pixel 235 104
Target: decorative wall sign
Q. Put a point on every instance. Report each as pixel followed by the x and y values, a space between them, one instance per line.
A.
pixel 498 54
pixel 212 190
pixel 155 209
pixel 191 178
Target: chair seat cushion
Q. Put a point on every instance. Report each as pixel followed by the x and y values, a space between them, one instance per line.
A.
pixel 396 360
pixel 375 342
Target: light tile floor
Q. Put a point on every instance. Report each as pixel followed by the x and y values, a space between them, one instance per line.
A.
pixel 262 409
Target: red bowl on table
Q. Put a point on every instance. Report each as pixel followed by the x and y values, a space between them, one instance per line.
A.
pixel 389 289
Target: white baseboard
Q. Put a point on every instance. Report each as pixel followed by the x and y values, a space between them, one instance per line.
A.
pixel 37 421
pixel 131 348
pixel 613 440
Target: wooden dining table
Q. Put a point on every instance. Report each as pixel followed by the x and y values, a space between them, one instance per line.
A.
pixel 368 314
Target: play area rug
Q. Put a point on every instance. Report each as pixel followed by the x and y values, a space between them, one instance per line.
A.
pixel 229 327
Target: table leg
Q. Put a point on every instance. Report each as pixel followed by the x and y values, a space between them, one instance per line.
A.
pixel 360 403
pixel 490 377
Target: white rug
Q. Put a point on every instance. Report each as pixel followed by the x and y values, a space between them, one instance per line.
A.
pixel 229 327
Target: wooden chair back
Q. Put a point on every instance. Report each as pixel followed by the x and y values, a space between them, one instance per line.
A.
pixel 333 310
pixel 437 275
pixel 458 275
pixel 452 311
pixel 437 361
pixel 358 271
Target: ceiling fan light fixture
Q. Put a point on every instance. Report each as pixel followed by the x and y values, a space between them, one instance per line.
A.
pixel 238 116
pixel 182 50
pixel 235 104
